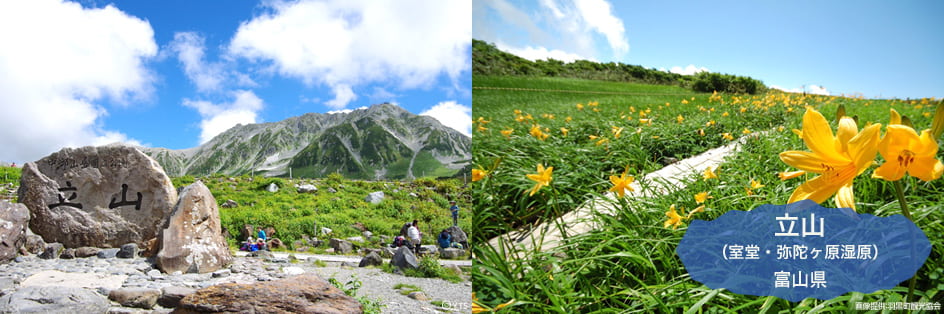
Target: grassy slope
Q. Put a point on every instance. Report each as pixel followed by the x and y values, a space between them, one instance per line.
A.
pixel 630 263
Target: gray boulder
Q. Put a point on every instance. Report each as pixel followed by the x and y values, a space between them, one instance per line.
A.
pixel 404 258
pixel 96 196
pixel 341 246
pixel 457 234
pixel 13 229
pixel 307 188
pixel 387 252
pixel 354 239
pixel 326 230
pixel 52 251
pixel 272 188
pixel 375 197
pixel 371 259
pixel 37 299
pixel 230 204
pixel 451 253
pixel 67 254
pixel 306 293
pixel 367 235
pixel 129 250
pixel 34 244
pixel 108 253
pixel 192 240
pixel 429 249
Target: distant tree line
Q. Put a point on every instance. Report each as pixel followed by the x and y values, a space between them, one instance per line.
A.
pixel 489 60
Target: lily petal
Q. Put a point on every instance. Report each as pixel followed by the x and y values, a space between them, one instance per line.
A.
pixel 817 189
pixel 844 197
pixel 926 168
pixel 818 136
pixel 863 147
pixel 847 129
pixel 808 161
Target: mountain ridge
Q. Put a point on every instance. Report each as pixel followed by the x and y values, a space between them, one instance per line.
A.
pixel 383 141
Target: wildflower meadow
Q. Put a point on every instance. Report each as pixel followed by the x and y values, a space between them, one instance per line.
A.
pixel 545 146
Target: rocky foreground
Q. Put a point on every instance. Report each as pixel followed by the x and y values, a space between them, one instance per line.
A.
pixel 108 284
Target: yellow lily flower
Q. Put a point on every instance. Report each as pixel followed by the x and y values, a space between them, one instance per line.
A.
pixel 702 197
pixel 564 131
pixel 727 136
pixel 709 174
pixel 617 131
pixel 679 119
pixel 838 159
pixel 621 183
pixel 478 174
pixel 674 219
pixel 579 106
pixel 696 210
pixel 904 150
pixel 507 133
pixel 756 185
pixel 543 178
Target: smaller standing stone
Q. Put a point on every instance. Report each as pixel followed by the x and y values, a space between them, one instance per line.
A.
pixel 404 258
pixel 13 229
pixel 341 246
pixel 129 250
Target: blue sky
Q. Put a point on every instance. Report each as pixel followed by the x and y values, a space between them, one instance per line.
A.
pixel 175 73
pixel 888 49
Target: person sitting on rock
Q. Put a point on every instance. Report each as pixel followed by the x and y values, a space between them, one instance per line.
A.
pixel 246 245
pixel 253 247
pixel 445 239
pixel 415 236
pixel 261 234
pixel 262 245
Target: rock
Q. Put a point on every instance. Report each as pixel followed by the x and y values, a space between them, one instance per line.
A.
pixel 387 252
pixel 86 251
pixel 67 254
pixel 53 300
pixel 230 204
pixel 375 197
pixel 332 190
pixel 142 298
pixel 222 273
pixel 341 246
pixel 129 250
pixel 270 232
pixel 315 242
pixel 302 249
pixel 96 196
pixel 274 243
pixel 359 226
pixel 348 264
pixel 266 255
pixel 52 251
pixel 307 188
pixel 371 259
pixel 326 231
pixel 454 268
pixel 367 235
pixel 457 234
pixel 170 296
pixel 418 295
pixel 272 188
pixel 451 253
pixel 354 239
pixel 299 294
pixel 429 249
pixel 291 271
pixel 34 244
pixel 247 231
pixel 191 241
pixel 108 253
pixel 327 251
pixel 404 258
pixel 14 219
pixel 55 278
pixel 385 239
pixel 413 194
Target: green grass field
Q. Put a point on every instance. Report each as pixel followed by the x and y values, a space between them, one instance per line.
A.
pixel 630 263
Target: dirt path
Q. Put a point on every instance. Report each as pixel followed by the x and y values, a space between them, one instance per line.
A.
pixel 660 182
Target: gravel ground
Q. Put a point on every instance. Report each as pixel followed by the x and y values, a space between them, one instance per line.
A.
pixel 378 285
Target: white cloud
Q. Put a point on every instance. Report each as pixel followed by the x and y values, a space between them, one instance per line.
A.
pixel 810 89
pixel 207 76
pixel 541 53
pixel 58 62
pixel 453 115
pixel 598 16
pixel 218 118
pixel 344 44
pixel 689 70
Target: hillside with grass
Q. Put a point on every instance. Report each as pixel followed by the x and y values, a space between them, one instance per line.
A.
pixel 595 133
pixel 295 214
